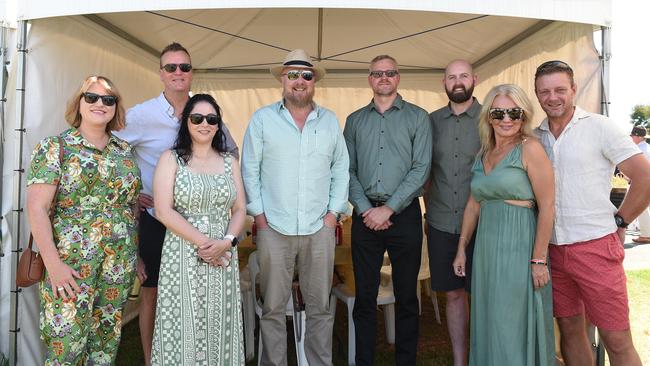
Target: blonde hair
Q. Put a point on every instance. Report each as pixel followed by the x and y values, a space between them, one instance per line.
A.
pixel 72 115
pixel 519 97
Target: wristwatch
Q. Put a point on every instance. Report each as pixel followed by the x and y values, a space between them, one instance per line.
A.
pixel 620 222
pixel 233 239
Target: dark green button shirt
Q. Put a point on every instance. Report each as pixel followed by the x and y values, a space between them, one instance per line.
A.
pixel 455 145
pixel 390 154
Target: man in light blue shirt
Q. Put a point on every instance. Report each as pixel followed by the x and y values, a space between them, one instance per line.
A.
pixel 295 170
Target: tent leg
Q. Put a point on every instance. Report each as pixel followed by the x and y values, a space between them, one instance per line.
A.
pixel 3 101
pixel 605 57
pixel 17 189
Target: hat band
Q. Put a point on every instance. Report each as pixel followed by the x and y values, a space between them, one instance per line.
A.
pixel 298 62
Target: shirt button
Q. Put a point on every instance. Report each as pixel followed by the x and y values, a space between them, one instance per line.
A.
pixel 381 147
pixel 378 180
pixel 456 155
pixel 379 163
pixel 382 131
pixel 456 138
pixel 455 174
pixel 454 192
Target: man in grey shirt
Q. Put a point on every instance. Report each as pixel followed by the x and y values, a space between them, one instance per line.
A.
pixel 455 145
pixel 390 156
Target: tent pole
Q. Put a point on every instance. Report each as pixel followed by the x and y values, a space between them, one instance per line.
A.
pixel 605 57
pixel 17 189
pixel 3 101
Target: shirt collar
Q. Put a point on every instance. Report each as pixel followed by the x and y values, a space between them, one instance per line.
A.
pixel 473 111
pixel 315 107
pixel 397 103
pixel 169 109
pixel 73 137
pixel 578 115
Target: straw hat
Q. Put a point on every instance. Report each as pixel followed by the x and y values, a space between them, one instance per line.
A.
pixel 298 59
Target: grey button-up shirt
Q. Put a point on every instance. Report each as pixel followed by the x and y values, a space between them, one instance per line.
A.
pixel 455 145
pixel 390 154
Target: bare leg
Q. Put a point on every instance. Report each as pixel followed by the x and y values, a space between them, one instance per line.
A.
pixel 148 297
pixel 620 348
pixel 457 314
pixel 576 350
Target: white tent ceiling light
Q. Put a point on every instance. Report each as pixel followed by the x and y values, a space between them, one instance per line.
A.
pixel 232 50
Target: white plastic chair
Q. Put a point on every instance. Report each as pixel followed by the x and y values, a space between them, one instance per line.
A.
pixel 385 298
pixel 248 310
pixel 299 317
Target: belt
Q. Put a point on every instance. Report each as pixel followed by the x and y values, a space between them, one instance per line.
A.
pixel 377 203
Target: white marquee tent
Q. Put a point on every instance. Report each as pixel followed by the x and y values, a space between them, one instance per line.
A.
pixel 51 46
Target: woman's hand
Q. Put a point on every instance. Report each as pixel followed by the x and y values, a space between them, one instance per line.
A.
pixel 459 263
pixel 540 275
pixel 213 249
pixel 62 279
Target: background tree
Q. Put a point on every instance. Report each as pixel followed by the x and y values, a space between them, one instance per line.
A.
pixel 641 115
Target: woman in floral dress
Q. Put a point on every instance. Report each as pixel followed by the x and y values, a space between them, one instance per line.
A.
pixel 199 196
pixel 89 246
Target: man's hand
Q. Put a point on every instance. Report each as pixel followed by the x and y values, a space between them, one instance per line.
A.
pixel 377 218
pixel 260 221
pixel 145 201
pixel 329 220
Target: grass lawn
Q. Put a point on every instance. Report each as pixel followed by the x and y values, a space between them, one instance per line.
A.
pixel 638 287
pixel 434 348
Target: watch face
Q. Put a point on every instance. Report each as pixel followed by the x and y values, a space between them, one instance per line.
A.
pixel 619 220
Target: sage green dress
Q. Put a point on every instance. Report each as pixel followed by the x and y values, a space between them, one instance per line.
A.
pixel 198 314
pixel 511 323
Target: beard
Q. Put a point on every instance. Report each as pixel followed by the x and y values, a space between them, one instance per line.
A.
pixel 301 100
pixel 460 96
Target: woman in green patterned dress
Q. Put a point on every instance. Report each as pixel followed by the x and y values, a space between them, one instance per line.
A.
pixel 89 247
pixel 512 202
pixel 199 196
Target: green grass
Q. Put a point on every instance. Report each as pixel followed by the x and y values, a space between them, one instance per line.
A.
pixel 638 288
pixel 434 348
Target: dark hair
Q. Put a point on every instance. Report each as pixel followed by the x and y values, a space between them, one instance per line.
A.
pixel 551 67
pixel 173 47
pixel 183 144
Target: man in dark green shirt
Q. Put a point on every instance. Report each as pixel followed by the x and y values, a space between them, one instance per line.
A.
pixel 455 145
pixel 390 156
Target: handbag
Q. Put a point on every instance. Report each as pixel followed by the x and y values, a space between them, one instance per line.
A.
pixel 31 268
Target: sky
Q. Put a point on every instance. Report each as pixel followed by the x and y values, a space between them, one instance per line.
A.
pixel 629 74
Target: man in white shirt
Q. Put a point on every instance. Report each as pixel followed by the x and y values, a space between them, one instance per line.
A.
pixel 586 251
pixel 639 135
pixel 151 128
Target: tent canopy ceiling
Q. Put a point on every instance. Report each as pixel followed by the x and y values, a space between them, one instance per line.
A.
pixel 255 39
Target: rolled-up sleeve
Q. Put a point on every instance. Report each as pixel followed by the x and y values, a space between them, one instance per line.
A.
pixel 340 175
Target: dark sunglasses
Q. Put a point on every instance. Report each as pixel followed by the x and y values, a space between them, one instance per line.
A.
pixel 172 67
pixel 308 75
pixel 500 113
pixel 389 73
pixel 92 98
pixel 553 65
pixel 197 119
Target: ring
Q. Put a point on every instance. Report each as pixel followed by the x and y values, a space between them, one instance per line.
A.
pixel 60 288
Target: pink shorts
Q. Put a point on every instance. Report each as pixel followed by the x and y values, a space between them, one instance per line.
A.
pixel 589 276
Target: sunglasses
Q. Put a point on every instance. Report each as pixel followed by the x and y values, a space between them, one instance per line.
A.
pixel 172 67
pixel 389 73
pixel 500 113
pixel 197 119
pixel 308 75
pixel 92 98
pixel 555 65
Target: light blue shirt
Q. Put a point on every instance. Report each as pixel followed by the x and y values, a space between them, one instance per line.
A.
pixel 294 177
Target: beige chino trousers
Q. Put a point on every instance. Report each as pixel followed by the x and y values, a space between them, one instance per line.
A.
pixel 278 255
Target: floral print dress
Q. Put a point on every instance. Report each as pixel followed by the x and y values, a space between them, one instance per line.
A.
pixel 95 233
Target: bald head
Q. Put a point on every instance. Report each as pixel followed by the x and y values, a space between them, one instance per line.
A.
pixel 459 81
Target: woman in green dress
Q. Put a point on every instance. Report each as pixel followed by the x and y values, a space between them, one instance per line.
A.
pixel 89 246
pixel 512 202
pixel 199 197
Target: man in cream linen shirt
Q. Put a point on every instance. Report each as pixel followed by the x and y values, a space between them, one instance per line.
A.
pixel 295 170
pixel 586 251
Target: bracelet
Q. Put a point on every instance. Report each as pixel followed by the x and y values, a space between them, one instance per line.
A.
pixel 538 261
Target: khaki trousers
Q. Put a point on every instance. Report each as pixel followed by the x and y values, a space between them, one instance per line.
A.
pixel 278 255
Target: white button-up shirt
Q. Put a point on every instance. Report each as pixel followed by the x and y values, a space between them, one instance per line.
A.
pixel 584 157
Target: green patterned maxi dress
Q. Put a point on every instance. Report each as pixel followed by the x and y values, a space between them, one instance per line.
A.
pixel 511 322
pixel 198 316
